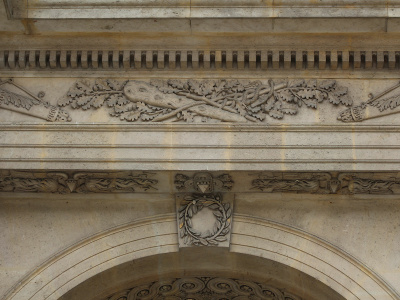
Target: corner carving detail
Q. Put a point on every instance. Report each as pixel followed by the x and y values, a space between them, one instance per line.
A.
pixel 29 104
pixel 383 104
pixel 192 101
pixel 83 182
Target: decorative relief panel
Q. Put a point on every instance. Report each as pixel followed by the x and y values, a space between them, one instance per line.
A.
pixel 370 183
pixel 82 182
pixel 194 101
pixel 203 189
pixel 312 183
pixel 237 101
pixel 203 288
pixel 328 183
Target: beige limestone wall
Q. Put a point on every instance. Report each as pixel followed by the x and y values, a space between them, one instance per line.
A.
pixel 366 227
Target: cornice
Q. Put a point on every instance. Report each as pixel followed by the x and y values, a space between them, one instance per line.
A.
pixel 56 9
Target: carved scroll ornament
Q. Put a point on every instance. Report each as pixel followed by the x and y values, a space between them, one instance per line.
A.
pixel 236 101
pixel 203 288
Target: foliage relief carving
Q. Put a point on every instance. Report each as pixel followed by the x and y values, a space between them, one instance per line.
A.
pixel 203 100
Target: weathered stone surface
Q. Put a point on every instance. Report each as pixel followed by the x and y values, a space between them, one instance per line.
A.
pixel 200 9
pixel 203 142
pixel 346 221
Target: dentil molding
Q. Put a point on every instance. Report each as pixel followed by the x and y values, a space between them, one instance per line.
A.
pixel 198 59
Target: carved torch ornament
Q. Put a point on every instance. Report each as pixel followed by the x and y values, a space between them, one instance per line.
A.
pixel 30 104
pixel 377 106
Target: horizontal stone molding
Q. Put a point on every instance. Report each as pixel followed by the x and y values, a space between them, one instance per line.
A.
pixel 198 59
pixel 58 9
pixel 149 147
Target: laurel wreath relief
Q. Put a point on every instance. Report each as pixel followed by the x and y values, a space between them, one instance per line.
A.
pixel 221 211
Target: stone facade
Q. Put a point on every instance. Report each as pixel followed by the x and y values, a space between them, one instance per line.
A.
pixel 199 150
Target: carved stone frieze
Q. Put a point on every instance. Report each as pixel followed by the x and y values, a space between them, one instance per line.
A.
pixel 194 101
pixel 30 104
pixel 237 101
pixel 200 185
pixel 204 220
pixel 81 182
pixel 204 288
pixel 313 183
pixel 370 183
pixel 203 182
pixel 328 183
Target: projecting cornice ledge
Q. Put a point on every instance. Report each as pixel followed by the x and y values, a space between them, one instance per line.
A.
pixel 95 9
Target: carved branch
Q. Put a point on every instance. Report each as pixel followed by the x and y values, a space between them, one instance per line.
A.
pixel 206 101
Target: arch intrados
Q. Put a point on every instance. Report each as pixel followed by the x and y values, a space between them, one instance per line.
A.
pixel 250 236
pixel 196 263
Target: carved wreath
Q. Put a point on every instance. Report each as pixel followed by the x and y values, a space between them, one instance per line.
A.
pixel 221 211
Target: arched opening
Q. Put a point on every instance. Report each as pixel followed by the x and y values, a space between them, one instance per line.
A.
pixel 202 273
pixel 265 254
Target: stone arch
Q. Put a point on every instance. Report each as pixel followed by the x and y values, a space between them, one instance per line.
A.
pixel 158 235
